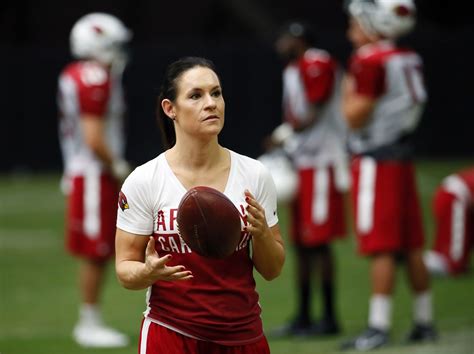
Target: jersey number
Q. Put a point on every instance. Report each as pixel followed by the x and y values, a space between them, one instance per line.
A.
pixel 414 80
pixel 92 75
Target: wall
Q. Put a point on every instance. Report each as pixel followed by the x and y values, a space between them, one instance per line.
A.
pixel 237 35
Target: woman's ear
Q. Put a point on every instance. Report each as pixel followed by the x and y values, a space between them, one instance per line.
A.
pixel 168 108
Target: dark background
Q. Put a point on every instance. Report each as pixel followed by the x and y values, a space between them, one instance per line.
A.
pixel 238 36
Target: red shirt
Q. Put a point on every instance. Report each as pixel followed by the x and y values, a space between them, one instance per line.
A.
pixel 93 86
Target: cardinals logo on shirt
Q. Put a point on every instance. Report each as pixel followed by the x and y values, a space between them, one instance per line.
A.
pixel 122 201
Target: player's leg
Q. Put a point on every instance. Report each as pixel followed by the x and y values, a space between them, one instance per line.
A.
pixel 328 323
pixel 301 323
pixel 323 221
pixel 91 277
pixel 332 228
pixel 90 330
pixel 326 264
pixel 382 274
pixel 304 264
pixel 92 214
pixel 382 277
pixel 417 272
pixel 377 206
pixel 423 328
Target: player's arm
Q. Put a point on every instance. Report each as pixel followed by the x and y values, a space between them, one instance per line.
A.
pixel 357 108
pixel 138 265
pixel 319 78
pixel 93 128
pixel 93 83
pixel 318 89
pixel 286 131
pixel 267 243
pixel 310 119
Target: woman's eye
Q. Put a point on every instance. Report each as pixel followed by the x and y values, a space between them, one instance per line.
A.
pixel 217 93
pixel 195 96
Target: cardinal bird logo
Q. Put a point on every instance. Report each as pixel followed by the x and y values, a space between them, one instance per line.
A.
pixel 402 11
pixel 122 201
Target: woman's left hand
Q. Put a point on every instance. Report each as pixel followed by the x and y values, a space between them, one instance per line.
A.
pixel 268 250
pixel 257 223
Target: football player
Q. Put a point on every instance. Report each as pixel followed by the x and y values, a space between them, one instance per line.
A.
pixel 382 101
pixel 313 136
pixel 91 108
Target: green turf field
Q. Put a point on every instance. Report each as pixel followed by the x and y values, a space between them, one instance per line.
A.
pixel 38 297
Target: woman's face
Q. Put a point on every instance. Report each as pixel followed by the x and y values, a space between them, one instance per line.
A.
pixel 199 104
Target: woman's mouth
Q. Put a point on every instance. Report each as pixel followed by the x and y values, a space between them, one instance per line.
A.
pixel 211 117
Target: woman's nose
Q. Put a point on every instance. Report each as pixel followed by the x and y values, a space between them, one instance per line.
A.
pixel 210 101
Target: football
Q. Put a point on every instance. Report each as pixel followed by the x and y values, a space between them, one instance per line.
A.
pixel 209 222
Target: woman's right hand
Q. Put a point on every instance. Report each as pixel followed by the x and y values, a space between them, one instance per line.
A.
pixel 156 268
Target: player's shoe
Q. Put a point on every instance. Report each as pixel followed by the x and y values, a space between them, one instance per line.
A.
pixel 297 327
pixel 422 333
pixel 98 336
pixel 326 327
pixel 371 338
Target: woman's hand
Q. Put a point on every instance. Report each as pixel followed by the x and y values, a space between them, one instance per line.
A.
pixel 156 268
pixel 268 251
pixel 138 264
pixel 257 223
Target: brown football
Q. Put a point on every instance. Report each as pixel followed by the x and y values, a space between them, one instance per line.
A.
pixel 209 222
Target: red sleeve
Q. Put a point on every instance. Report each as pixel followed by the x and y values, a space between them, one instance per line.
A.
pixel 93 89
pixel 369 76
pixel 318 77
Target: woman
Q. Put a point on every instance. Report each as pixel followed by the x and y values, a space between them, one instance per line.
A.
pixel 196 304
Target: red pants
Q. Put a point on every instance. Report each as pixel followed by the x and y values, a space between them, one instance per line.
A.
pixel 318 214
pixel 91 217
pixel 156 339
pixel 387 210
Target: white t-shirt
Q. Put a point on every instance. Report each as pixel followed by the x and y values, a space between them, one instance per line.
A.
pixel 153 192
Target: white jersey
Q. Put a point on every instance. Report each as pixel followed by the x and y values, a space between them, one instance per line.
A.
pixel 394 77
pixel 86 87
pixel 314 80
pixel 153 192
